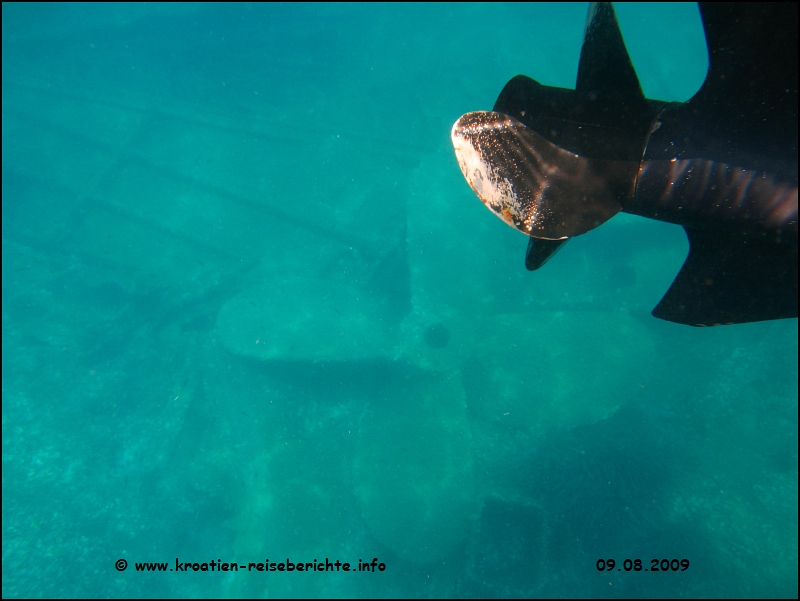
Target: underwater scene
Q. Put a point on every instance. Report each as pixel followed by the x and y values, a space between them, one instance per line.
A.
pixel 261 339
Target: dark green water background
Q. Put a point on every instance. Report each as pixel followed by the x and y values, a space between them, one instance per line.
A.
pixel 251 310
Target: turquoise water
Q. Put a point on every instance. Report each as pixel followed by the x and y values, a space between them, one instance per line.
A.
pixel 252 311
